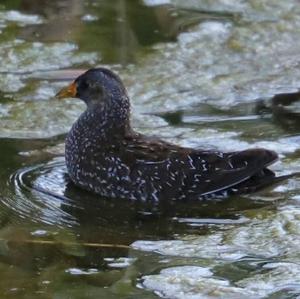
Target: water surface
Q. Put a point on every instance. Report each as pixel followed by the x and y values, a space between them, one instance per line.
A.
pixel 208 75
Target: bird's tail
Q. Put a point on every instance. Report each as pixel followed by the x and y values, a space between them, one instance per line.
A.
pixel 263 179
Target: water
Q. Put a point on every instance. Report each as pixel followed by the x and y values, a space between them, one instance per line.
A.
pixel 221 75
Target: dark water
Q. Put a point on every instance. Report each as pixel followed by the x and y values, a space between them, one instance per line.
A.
pixel 57 241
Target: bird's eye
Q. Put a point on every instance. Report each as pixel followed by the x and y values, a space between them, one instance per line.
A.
pixel 84 85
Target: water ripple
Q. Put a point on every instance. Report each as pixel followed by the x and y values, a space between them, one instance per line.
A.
pixel 44 194
pixel 39 193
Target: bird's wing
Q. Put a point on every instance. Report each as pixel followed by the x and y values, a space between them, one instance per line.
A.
pixel 150 149
pixel 222 171
pixel 193 172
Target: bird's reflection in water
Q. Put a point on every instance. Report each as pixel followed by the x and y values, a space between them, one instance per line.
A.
pixel 73 220
pixel 122 221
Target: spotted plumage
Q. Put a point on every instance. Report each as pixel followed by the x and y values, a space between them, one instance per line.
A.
pixel 106 156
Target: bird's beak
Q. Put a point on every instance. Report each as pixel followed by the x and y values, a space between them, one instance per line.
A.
pixel 67 92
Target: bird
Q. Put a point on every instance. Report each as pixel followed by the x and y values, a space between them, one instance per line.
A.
pixel 106 156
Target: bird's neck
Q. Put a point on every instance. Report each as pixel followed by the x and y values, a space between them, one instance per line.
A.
pixel 109 118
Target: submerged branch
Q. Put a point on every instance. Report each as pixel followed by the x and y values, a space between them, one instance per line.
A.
pixel 50 242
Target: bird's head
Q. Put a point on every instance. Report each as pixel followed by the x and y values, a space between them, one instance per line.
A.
pixel 94 87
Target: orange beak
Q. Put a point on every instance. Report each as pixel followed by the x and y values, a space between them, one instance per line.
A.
pixel 67 92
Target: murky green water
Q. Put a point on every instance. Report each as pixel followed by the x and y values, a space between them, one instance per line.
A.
pixel 201 74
